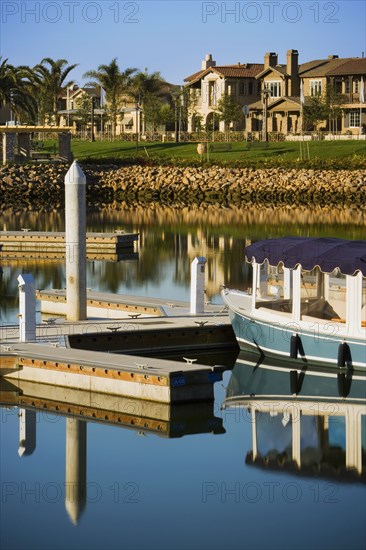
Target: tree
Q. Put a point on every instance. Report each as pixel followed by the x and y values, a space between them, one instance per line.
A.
pixel 17 90
pixel 83 106
pixel 51 76
pixel 228 110
pixel 314 111
pixel 144 84
pixel 327 107
pixel 156 112
pixel 115 83
pixel 333 104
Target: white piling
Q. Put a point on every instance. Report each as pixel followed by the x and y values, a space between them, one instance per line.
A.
pixel 198 285
pixel 75 236
pixel 27 308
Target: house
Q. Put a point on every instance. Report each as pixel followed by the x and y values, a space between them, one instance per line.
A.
pixel 286 88
pixel 275 94
pixel 208 85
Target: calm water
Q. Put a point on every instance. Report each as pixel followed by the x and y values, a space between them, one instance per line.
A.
pixel 140 477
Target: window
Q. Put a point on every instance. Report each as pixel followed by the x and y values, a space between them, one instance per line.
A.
pixel 275 89
pixel 241 88
pixel 250 88
pixel 354 119
pixel 212 93
pixel 355 86
pixel 346 86
pixel 315 87
pixel 230 90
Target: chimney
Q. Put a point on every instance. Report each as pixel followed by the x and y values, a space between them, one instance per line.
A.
pixel 292 69
pixel 270 60
pixel 292 62
pixel 208 62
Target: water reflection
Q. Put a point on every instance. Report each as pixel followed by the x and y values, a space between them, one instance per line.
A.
pixel 169 240
pixel 29 399
pixel 309 422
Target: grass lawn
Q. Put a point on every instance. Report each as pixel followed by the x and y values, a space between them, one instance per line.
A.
pixel 241 151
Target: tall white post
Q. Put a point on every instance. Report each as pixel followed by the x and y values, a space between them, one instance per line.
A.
pixel 198 285
pixel 75 226
pixel 27 308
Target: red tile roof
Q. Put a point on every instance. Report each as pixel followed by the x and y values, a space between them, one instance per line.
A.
pixel 245 70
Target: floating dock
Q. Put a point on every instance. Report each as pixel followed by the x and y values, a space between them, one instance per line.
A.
pixel 51 245
pixel 128 375
pixel 145 417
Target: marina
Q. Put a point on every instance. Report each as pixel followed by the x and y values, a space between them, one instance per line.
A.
pixel 92 462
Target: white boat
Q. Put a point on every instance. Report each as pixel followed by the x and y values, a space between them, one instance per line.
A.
pixel 307 302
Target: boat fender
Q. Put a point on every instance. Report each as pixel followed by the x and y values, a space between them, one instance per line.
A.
pixel 293 382
pixel 294 346
pixel 343 354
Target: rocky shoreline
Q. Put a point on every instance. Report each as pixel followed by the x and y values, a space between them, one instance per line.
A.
pixel 41 186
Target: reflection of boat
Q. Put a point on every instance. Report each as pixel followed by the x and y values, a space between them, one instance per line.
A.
pixel 308 301
pixel 309 420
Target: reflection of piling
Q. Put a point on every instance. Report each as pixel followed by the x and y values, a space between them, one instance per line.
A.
pixel 75 495
pixel 27 432
pixel 75 236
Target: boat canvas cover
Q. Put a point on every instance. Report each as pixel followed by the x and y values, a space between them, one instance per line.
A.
pixel 327 253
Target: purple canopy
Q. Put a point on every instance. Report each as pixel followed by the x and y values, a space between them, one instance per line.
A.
pixel 348 256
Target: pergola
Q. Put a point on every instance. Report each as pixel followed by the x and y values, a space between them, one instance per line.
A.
pixel 16 141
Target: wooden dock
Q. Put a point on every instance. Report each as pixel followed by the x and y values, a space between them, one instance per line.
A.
pixel 51 245
pixel 145 417
pixel 128 375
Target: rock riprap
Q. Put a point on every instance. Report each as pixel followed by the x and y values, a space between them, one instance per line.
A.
pixel 41 186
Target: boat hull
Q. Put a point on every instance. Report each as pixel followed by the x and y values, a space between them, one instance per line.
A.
pixel 313 344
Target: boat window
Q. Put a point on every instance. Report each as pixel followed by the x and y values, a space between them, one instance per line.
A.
pixel 275 281
pixel 271 289
pixel 337 294
pixel 323 296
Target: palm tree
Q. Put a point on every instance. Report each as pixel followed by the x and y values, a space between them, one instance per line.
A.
pixel 115 83
pixel 51 76
pixel 148 90
pixel 16 90
pixel 144 83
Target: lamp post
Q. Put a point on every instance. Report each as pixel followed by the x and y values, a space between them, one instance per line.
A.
pixel 137 107
pixel 92 119
pixel 266 92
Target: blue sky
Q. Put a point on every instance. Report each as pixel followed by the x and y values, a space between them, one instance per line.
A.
pixel 173 36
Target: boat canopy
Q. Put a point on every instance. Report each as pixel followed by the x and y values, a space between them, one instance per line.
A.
pixel 326 253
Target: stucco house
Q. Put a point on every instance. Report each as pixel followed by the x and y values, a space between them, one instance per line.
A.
pixel 208 85
pixel 275 94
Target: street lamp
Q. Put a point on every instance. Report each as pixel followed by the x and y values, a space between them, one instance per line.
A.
pixel 266 93
pixel 92 119
pixel 137 107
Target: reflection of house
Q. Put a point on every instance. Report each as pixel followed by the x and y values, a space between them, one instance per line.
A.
pixel 273 90
pixel 209 84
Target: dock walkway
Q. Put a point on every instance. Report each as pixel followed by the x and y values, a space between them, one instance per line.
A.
pixel 133 376
pixel 51 245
